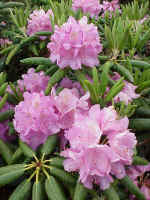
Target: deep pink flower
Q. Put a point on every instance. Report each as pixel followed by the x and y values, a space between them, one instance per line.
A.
pixel 89 6
pixel 35 119
pixel 75 43
pixel 38 21
pixel 33 82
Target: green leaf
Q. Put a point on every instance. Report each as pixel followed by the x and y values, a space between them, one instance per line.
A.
pixel 137 160
pixel 11 176
pixel 22 192
pixel 3 88
pixel 50 144
pixel 63 175
pixel 140 64
pixel 111 194
pixel 5 151
pixel 6 115
pixel 37 191
pixel 124 72
pixel 140 124
pixel 57 76
pixel 142 86
pixel 18 153
pixel 53 189
pixel 3 101
pixel 57 162
pixel 11 168
pixel 80 192
pixel 26 149
pixel 36 61
pixel 128 183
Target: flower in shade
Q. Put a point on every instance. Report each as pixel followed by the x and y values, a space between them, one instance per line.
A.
pixel 75 43
pixel 38 21
pixel 89 6
pixel 4 128
pixel 110 6
pixel 35 119
pixel 128 92
pixel 33 82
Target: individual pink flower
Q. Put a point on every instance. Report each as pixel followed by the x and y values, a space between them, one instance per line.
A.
pixel 128 92
pixel 84 133
pixel 123 144
pixel 108 120
pixel 92 161
pixel 67 104
pixel 38 21
pixel 35 119
pixel 4 128
pixel 89 6
pixel 110 6
pixel 5 42
pixel 75 43
pixel 33 82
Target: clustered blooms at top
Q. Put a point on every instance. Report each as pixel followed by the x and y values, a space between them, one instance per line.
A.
pixel 139 177
pixel 75 43
pixel 100 146
pixel 92 7
pixel 39 21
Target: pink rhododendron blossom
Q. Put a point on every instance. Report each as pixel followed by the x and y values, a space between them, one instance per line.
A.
pixel 4 125
pixel 89 6
pixel 67 104
pixel 99 147
pixel 35 119
pixel 38 21
pixel 123 144
pixel 110 6
pixel 128 92
pixel 75 43
pixel 83 134
pixel 33 82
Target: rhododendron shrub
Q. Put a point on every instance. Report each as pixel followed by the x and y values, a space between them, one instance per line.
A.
pixel 74 44
pixel 74 100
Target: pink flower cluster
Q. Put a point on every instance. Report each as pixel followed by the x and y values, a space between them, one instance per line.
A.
pixel 33 82
pixel 75 43
pixel 39 21
pixel 100 146
pixel 136 173
pixel 128 92
pixel 39 116
pixel 4 125
pixel 110 6
pixel 92 7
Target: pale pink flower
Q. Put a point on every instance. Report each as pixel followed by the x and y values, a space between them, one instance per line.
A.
pixel 128 92
pixel 35 119
pixel 38 21
pixel 84 133
pixel 87 6
pixel 123 144
pixel 5 42
pixel 33 82
pixel 75 43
